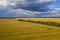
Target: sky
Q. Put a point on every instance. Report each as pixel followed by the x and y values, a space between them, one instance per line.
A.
pixel 29 8
pixel 57 3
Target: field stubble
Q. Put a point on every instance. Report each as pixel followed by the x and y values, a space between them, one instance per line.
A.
pixel 12 29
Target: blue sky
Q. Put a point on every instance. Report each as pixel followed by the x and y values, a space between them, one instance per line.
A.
pixel 57 3
pixel 29 8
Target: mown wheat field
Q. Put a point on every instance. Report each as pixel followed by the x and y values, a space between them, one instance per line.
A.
pixel 12 29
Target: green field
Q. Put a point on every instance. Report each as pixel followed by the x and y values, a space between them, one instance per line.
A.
pixel 12 29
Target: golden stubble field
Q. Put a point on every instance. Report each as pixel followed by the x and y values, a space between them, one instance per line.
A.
pixel 12 29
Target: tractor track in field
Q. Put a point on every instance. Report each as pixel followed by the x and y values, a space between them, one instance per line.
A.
pixel 35 37
pixel 23 34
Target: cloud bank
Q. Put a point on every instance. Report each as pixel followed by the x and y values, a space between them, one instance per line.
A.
pixel 32 5
pixel 28 8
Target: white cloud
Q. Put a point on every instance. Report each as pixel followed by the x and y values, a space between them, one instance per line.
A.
pixel 3 3
pixel 54 12
pixel 45 1
pixel 14 2
pixel 25 12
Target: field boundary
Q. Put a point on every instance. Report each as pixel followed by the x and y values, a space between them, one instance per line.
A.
pixel 41 22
